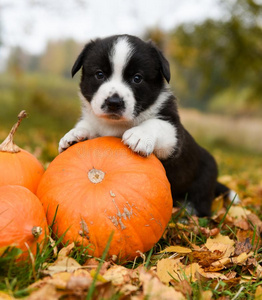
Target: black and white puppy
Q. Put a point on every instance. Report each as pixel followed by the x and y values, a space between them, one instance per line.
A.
pixel 124 93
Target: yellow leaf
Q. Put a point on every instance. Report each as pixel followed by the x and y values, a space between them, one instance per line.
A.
pixel 206 295
pixel 222 243
pixel 99 276
pixel 5 296
pixel 238 212
pixel 154 289
pixel 60 280
pixel 258 293
pixel 239 260
pixel 167 269
pixel 177 249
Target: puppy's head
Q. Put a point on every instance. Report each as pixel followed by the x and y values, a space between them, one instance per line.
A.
pixel 122 76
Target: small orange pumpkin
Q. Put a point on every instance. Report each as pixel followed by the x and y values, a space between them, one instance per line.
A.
pixel 23 222
pixel 17 166
pixel 100 186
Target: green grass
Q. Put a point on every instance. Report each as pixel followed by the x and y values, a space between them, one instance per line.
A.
pixel 53 108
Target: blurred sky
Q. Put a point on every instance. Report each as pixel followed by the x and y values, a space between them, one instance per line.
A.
pixel 30 23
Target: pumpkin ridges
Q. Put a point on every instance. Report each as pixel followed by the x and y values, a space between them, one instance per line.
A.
pixel 139 215
pixel 79 199
pixel 147 198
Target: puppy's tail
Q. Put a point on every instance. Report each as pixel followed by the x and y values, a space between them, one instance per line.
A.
pixel 222 190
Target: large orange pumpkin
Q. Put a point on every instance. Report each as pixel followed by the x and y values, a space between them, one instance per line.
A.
pixel 100 186
pixel 22 218
pixel 17 166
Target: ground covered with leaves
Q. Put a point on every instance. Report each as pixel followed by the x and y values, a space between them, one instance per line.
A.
pixel 197 258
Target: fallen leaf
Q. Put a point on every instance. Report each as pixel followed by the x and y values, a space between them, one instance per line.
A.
pixel 254 221
pixel 117 274
pixel 177 249
pixel 209 232
pixel 241 247
pixel 5 296
pixel 63 263
pixel 182 286
pixel 47 292
pixel 206 295
pixel 79 282
pixel 167 269
pixel 238 212
pixel 60 280
pixel 222 243
pixel 258 293
pixel 206 257
pixel 154 289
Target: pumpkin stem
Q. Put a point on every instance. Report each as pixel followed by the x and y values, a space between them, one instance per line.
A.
pixel 8 144
pixel 96 176
pixel 37 231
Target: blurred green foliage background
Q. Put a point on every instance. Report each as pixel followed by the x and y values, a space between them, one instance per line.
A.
pixel 216 69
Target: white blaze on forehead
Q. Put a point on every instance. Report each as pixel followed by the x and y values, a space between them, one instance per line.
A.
pixel 120 55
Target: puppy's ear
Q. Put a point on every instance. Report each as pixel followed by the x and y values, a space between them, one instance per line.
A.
pixel 80 59
pixel 165 69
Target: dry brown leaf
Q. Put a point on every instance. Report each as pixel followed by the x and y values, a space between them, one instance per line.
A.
pixel 242 235
pixel 154 289
pixel 206 257
pixel 221 243
pixel 241 247
pixel 63 263
pixel 183 286
pixel 258 293
pixel 209 232
pixel 242 224
pixel 238 260
pixel 254 267
pixel 220 215
pixel 47 292
pixel 254 221
pixel 78 283
pixel 119 275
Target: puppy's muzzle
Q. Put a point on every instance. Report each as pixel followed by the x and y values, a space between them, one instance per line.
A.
pixel 114 105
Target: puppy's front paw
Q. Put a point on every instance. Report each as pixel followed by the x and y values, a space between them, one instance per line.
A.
pixel 139 141
pixel 75 135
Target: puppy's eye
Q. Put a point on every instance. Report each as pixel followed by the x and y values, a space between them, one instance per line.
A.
pixel 137 78
pixel 99 75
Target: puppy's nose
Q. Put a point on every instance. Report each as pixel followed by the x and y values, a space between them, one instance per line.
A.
pixel 114 103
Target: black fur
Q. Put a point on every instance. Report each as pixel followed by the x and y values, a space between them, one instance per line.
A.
pixel 191 170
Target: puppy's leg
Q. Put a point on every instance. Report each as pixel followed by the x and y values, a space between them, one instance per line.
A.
pixel 82 131
pixel 223 190
pixel 150 136
pixel 201 192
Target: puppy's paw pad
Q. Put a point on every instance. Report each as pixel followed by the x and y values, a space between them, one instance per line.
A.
pixel 139 141
pixel 75 135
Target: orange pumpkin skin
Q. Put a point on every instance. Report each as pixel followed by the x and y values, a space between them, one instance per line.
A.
pixel 131 197
pixel 21 213
pixel 20 168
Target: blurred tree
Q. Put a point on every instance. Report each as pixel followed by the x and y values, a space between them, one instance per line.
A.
pixel 218 56
pixel 59 57
pixel 56 60
pixel 158 36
